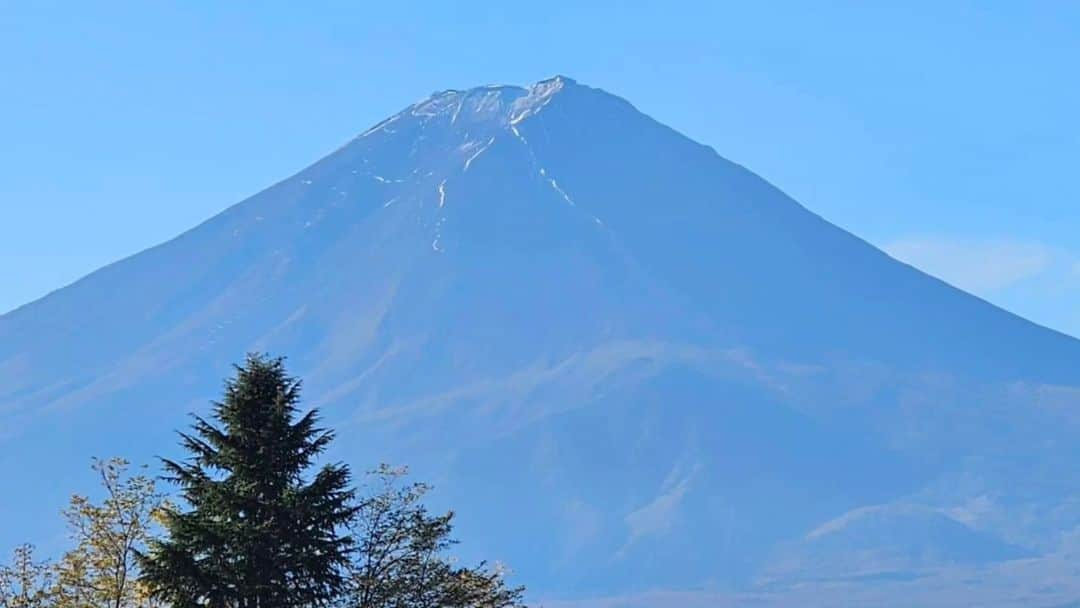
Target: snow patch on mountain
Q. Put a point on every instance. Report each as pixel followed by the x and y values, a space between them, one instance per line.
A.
pixel 478 152
pixel 538 96
pixel 495 105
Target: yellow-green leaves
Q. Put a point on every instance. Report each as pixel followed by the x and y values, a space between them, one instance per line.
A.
pixel 25 582
pixel 101 571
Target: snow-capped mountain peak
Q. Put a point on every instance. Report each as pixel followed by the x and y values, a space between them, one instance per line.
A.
pixel 556 307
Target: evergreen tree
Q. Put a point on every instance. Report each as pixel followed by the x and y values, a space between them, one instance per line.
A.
pixel 257 532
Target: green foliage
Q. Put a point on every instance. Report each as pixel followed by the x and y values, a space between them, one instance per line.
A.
pixel 402 559
pixel 254 529
pixel 26 582
pixel 257 533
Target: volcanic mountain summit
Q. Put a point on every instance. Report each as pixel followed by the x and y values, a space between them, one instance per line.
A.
pixel 630 364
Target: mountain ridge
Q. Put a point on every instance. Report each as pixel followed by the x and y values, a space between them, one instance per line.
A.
pixel 561 308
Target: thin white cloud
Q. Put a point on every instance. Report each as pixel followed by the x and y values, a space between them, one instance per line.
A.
pixel 1032 279
pixel 981 266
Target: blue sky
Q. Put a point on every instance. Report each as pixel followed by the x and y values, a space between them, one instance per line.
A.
pixel 947 133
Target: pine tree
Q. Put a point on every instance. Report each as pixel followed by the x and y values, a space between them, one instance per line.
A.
pixel 257 533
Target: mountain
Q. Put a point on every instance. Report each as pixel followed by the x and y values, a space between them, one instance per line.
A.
pixel 877 540
pixel 635 368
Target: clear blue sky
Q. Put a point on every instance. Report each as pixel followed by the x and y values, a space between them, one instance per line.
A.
pixel 947 134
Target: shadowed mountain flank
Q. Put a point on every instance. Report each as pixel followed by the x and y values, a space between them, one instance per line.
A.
pixel 632 365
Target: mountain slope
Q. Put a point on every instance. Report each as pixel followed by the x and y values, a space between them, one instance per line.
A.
pixel 555 307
